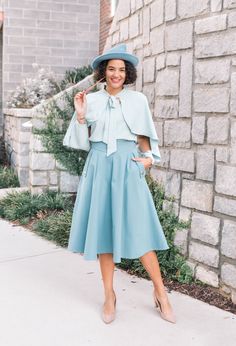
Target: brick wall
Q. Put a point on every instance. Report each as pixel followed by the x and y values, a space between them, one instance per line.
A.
pixel 105 22
pixel 187 69
pixel 58 34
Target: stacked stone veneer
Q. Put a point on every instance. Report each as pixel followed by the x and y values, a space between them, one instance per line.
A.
pixel 17 137
pixel 187 69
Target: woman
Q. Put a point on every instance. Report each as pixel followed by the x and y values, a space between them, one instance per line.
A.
pixel 114 214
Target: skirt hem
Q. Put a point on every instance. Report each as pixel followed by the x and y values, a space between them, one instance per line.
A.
pixel 92 258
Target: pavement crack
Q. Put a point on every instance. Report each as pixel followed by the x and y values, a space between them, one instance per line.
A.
pixel 30 256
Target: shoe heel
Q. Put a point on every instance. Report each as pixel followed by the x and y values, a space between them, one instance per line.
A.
pixel 108 318
pixel 170 318
pixel 156 301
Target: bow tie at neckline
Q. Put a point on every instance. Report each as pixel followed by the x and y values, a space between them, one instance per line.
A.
pixel 110 127
pixel 113 101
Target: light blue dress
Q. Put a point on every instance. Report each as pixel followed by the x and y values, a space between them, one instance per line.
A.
pixel 136 114
pixel 114 211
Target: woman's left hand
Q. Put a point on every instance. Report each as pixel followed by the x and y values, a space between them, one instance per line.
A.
pixel 146 161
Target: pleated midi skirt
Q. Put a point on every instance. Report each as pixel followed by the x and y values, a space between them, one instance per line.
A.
pixel 114 211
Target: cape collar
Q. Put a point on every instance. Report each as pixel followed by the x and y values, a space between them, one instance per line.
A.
pixel 123 91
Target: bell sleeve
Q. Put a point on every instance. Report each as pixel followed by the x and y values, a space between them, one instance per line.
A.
pixel 77 136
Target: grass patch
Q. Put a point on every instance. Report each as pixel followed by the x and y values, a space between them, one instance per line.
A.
pixel 8 178
pixel 23 206
pixel 55 227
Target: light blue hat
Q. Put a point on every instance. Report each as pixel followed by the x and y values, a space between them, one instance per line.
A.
pixel 117 52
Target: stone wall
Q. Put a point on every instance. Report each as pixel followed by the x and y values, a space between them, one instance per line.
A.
pixel 187 50
pixel 36 168
pixel 44 171
pixel 16 138
pixel 57 34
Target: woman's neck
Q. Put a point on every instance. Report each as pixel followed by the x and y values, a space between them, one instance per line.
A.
pixel 112 91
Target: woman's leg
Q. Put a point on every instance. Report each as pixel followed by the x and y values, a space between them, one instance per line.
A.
pixel 107 269
pixel 150 262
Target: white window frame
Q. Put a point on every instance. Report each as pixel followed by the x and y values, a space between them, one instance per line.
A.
pixel 114 4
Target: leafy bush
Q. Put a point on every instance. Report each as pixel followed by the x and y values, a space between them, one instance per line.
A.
pixel 56 123
pixel 43 85
pixel 74 76
pixel 8 178
pixel 34 90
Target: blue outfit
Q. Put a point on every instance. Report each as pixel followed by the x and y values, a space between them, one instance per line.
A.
pixel 114 211
pixel 101 107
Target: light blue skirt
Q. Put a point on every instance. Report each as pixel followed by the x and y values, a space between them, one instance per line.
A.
pixel 114 211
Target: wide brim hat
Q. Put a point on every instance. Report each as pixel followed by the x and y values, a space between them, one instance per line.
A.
pixel 116 52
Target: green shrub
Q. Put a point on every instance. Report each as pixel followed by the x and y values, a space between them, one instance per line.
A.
pixel 8 178
pixel 23 206
pixel 35 89
pixel 56 122
pixel 74 76
pixel 55 227
pixel 43 85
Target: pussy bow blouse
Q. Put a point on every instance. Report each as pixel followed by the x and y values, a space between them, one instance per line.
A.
pixel 123 116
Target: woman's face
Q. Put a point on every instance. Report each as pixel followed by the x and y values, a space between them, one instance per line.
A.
pixel 115 74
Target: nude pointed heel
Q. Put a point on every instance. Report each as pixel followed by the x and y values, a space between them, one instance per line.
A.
pixel 108 318
pixel 168 317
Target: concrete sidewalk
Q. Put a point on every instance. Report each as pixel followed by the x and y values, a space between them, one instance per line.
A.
pixel 52 297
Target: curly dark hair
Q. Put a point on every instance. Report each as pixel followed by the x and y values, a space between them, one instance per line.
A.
pixel 130 70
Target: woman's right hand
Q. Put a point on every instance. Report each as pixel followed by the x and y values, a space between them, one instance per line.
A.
pixel 80 104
